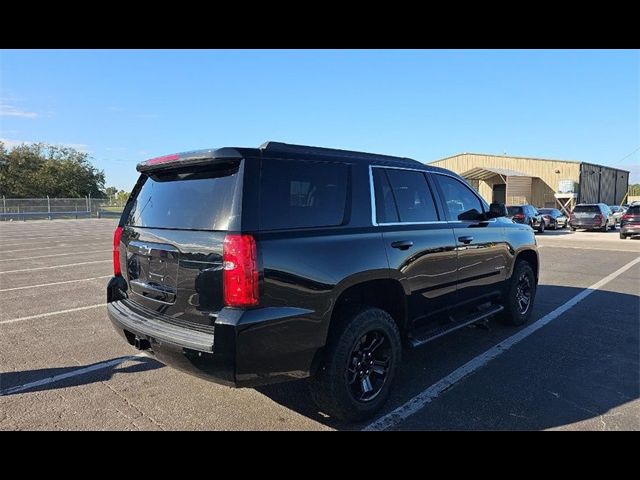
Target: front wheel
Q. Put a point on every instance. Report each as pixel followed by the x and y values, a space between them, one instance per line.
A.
pixel 541 227
pixel 361 360
pixel 518 301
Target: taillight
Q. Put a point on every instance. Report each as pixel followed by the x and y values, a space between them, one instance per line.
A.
pixel 598 217
pixel 519 216
pixel 240 271
pixel 117 235
pixel 626 216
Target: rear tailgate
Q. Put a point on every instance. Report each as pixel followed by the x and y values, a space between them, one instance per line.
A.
pixel 172 240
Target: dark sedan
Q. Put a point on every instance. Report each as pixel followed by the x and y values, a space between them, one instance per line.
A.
pixel 553 218
pixel 526 214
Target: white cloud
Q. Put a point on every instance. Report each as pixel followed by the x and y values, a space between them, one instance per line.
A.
pixel 11 111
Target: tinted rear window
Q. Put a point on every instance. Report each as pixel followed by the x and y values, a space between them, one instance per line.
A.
pixel 635 210
pixel 547 211
pixel 197 200
pixel 298 194
pixel 514 210
pixel 587 209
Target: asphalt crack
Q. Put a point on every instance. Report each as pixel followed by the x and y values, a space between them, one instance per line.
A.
pixel 134 407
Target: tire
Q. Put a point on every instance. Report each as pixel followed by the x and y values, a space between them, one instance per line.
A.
pixel 330 387
pixel 513 313
pixel 622 236
pixel 555 226
pixel 541 227
pixel 605 227
pixel 613 227
pixel 573 229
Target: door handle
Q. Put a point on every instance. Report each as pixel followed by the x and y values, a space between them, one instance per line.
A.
pixel 402 244
pixel 465 239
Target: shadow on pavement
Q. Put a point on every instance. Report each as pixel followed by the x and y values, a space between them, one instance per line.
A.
pixel 9 381
pixel 592 359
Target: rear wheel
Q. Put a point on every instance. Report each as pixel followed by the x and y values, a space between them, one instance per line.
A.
pixel 605 227
pixel 613 227
pixel 363 354
pixel 573 229
pixel 622 236
pixel 518 301
pixel 541 227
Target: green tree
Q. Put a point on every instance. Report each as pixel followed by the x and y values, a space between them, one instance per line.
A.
pixel 39 169
pixel 121 198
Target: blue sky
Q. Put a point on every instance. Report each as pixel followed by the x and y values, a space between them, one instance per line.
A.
pixel 124 106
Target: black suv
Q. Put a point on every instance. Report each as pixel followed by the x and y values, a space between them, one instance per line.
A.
pixel 247 266
pixel 526 214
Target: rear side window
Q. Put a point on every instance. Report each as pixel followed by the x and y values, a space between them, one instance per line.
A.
pixel 386 211
pixel 412 196
pixel 299 194
pixel 195 200
pixel 587 209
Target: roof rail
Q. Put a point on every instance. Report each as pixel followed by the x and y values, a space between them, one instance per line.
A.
pixel 334 152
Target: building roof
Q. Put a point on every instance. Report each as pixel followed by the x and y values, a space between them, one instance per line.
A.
pixel 484 173
pixel 526 158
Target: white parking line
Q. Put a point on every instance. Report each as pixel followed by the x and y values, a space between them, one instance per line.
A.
pixel 53 283
pixel 418 402
pixel 53 255
pixel 51 314
pixel 55 266
pixel 591 248
pixel 87 239
pixel 73 373
pixel 39 248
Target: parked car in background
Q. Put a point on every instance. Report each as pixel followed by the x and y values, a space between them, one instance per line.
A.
pixel 618 212
pixel 248 266
pixel 526 214
pixel 630 222
pixel 553 218
pixel 592 216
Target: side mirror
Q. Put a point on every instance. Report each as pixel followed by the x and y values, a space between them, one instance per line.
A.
pixel 497 209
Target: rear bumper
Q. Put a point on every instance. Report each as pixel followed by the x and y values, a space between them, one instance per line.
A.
pixel 586 225
pixel 242 348
pixel 630 229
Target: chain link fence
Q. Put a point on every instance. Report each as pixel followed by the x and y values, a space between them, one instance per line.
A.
pixel 25 208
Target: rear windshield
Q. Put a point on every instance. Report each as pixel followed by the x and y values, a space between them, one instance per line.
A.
pixel 299 194
pixel 198 199
pixel 514 210
pixel 587 209
pixel 546 210
pixel 635 210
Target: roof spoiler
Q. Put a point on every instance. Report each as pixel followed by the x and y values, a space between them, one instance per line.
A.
pixel 186 159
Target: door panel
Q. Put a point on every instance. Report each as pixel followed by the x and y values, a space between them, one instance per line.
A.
pixel 482 252
pixel 428 267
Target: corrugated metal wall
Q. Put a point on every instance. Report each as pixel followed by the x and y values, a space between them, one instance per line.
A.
pixel 608 185
pixel 622 186
pixel 599 184
pixel 542 188
pixel 518 190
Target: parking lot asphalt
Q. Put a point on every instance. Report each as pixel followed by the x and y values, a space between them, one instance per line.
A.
pixel 63 367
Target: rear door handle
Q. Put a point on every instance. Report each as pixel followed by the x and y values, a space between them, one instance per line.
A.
pixel 402 244
pixel 465 239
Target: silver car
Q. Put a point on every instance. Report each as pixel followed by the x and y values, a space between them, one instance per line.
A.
pixel 618 212
pixel 553 218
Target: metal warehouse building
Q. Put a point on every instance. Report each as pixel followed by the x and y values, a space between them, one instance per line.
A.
pixel 538 181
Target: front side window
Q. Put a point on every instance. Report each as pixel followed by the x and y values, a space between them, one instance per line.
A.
pixel 459 200
pixel 302 194
pixel 403 196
